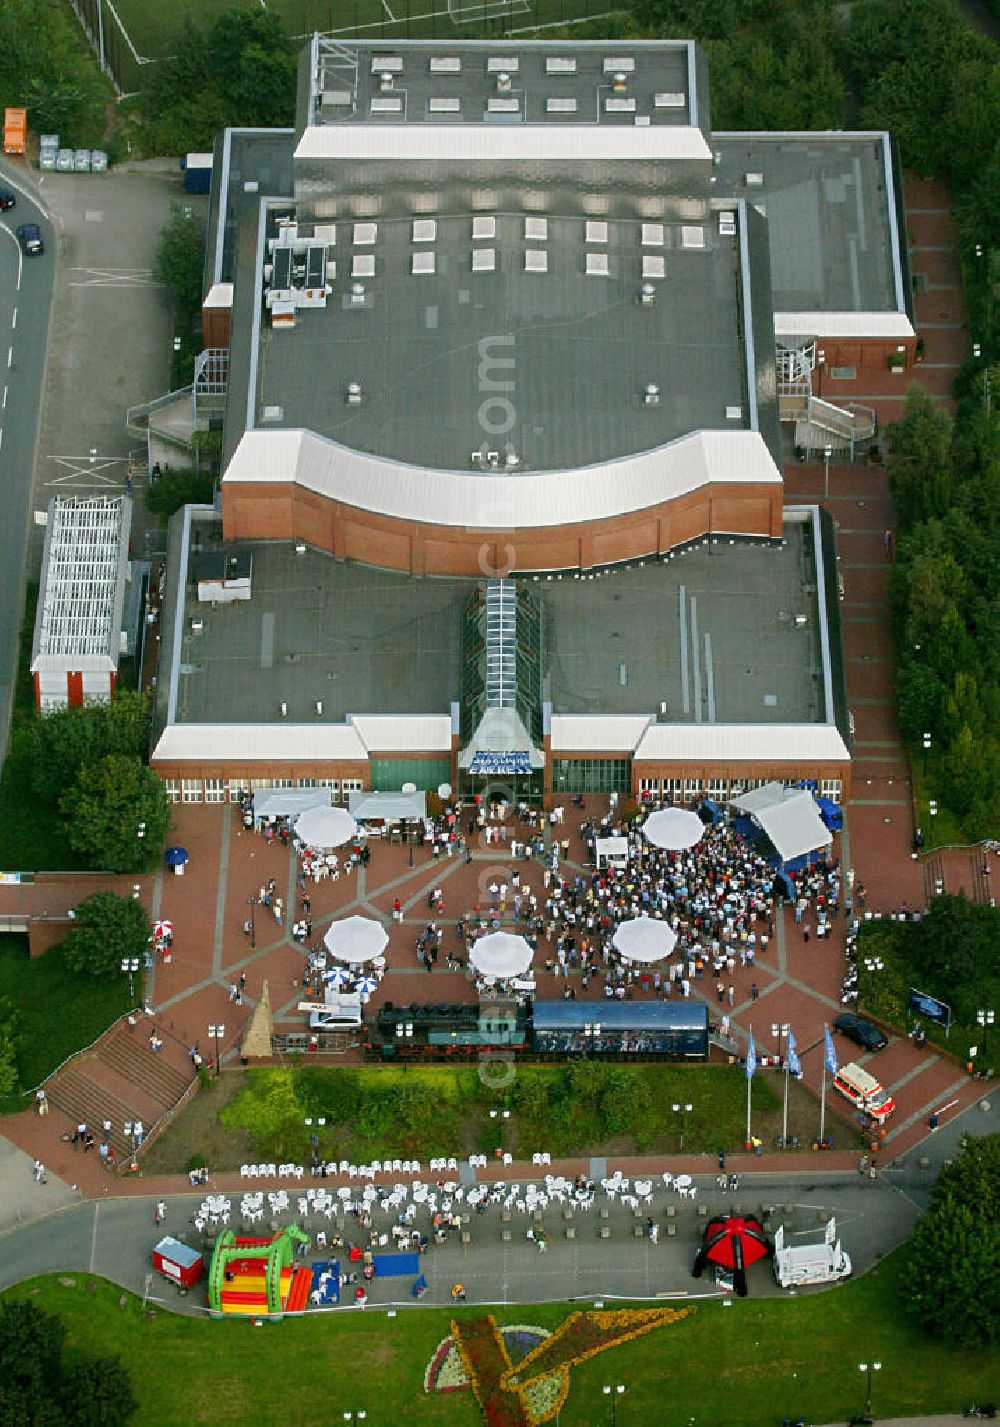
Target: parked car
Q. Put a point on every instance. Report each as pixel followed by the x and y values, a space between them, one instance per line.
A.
pixel 29 235
pixel 7 199
pixel 860 1031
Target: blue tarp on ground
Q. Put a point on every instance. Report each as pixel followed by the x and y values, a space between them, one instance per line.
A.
pixel 330 1292
pixel 396 1265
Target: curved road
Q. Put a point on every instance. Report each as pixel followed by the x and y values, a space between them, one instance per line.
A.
pixel 25 305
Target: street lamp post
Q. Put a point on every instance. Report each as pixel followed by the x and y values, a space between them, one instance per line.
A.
pixel 358 1416
pixel 986 1019
pixel 680 1111
pixel 927 749
pixel 612 1392
pixel 827 453
pixel 251 903
pixel 503 1116
pixel 869 1368
pixel 130 965
pixel 780 1032
pixel 216 1031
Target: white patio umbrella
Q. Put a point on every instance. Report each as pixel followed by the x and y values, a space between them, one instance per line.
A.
pixel 324 827
pixel 501 954
pixel 356 939
pixel 645 939
pixel 673 828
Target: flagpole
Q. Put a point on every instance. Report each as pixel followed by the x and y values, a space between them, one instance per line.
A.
pixel 822 1096
pixel 749 1082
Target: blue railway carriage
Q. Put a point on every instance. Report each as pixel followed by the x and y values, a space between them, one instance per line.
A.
pixel 621 1030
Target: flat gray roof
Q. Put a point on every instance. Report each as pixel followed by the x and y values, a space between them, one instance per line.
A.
pixel 831 216
pixel 719 620
pixel 357 81
pixel 248 163
pixel 558 356
pixel 359 640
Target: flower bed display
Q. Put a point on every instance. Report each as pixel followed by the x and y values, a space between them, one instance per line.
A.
pixel 520 1373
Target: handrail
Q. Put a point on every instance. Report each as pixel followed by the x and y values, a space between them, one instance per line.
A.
pixel 146 408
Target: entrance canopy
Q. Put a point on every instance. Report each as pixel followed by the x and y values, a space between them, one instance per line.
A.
pixel 789 817
pixel 388 807
pixel 645 939
pixel 501 747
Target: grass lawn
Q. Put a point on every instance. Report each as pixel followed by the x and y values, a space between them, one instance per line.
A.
pixel 388 1112
pixel 44 991
pixel 151 27
pixel 743 1366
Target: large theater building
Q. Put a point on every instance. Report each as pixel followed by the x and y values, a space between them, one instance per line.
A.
pixel 508 349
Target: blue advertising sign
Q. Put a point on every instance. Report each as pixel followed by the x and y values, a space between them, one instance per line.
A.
pixel 501 764
pixel 928 1006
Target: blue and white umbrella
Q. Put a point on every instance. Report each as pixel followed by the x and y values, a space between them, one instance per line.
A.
pixel 339 976
pixel 366 985
pixel 175 856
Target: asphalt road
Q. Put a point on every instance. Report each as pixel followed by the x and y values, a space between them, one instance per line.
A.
pixel 26 286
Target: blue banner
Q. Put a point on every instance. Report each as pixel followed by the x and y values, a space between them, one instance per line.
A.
pixel 751 1064
pixel 930 1007
pixel 501 764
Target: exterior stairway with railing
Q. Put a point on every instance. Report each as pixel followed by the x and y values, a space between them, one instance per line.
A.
pixel 820 423
pixel 121 1079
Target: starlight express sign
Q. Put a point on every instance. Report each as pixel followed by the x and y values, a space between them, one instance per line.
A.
pixel 501 764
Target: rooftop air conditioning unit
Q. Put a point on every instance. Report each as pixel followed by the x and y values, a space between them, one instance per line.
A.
pixel 353 393
pixel 503 83
pixel 651 395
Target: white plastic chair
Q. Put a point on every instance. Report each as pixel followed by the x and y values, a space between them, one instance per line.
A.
pixel 321 1239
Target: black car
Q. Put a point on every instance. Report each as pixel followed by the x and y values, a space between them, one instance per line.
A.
pixel 29 235
pixel 7 199
pixel 862 1032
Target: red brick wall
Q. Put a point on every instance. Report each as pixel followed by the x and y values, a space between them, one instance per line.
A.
pixel 255 511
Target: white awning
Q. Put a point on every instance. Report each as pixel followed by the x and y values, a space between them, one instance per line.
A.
pixel 325 827
pixel 606 848
pixel 388 807
pixel 289 802
pixel 356 939
pixel 501 954
pixel 789 817
pixel 645 939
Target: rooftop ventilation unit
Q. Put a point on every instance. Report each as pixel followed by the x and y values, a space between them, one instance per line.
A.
pixel 423 262
pixel 652 235
pixel 536 230
pixel 363 265
pixel 597 265
pixel 647 295
pixel 284 710
pixel 503 82
pixel 483 228
pixel 596 232
pixel 734 413
pixel 556 64
pixel 618 105
pixel 445 64
pixel 560 106
pixel 651 394
pixel 385 82
pixel 536 260
pixel 353 394
pixel 727 224
pixel 319 708
pixel 654 265
pixel 357 294
pixel 300 547
pixel 692 236
pixel 500 64
pixel 424 230
pixel 444 105
pixel 365 234
pixel 620 82
pixel 753 180
pixel 671 100
pixel 387 64
pixel 619 64
pixel 484 260
pixel 388 104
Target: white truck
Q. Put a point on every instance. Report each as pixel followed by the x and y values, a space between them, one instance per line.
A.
pixel 798 1264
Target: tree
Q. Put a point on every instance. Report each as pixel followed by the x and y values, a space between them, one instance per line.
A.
pixel 180 257
pixel 919 458
pixel 107 930
pixel 67 739
pixel 9 1030
pixel 31 1343
pixel 952 1283
pixel 117 813
pixel 97 1393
